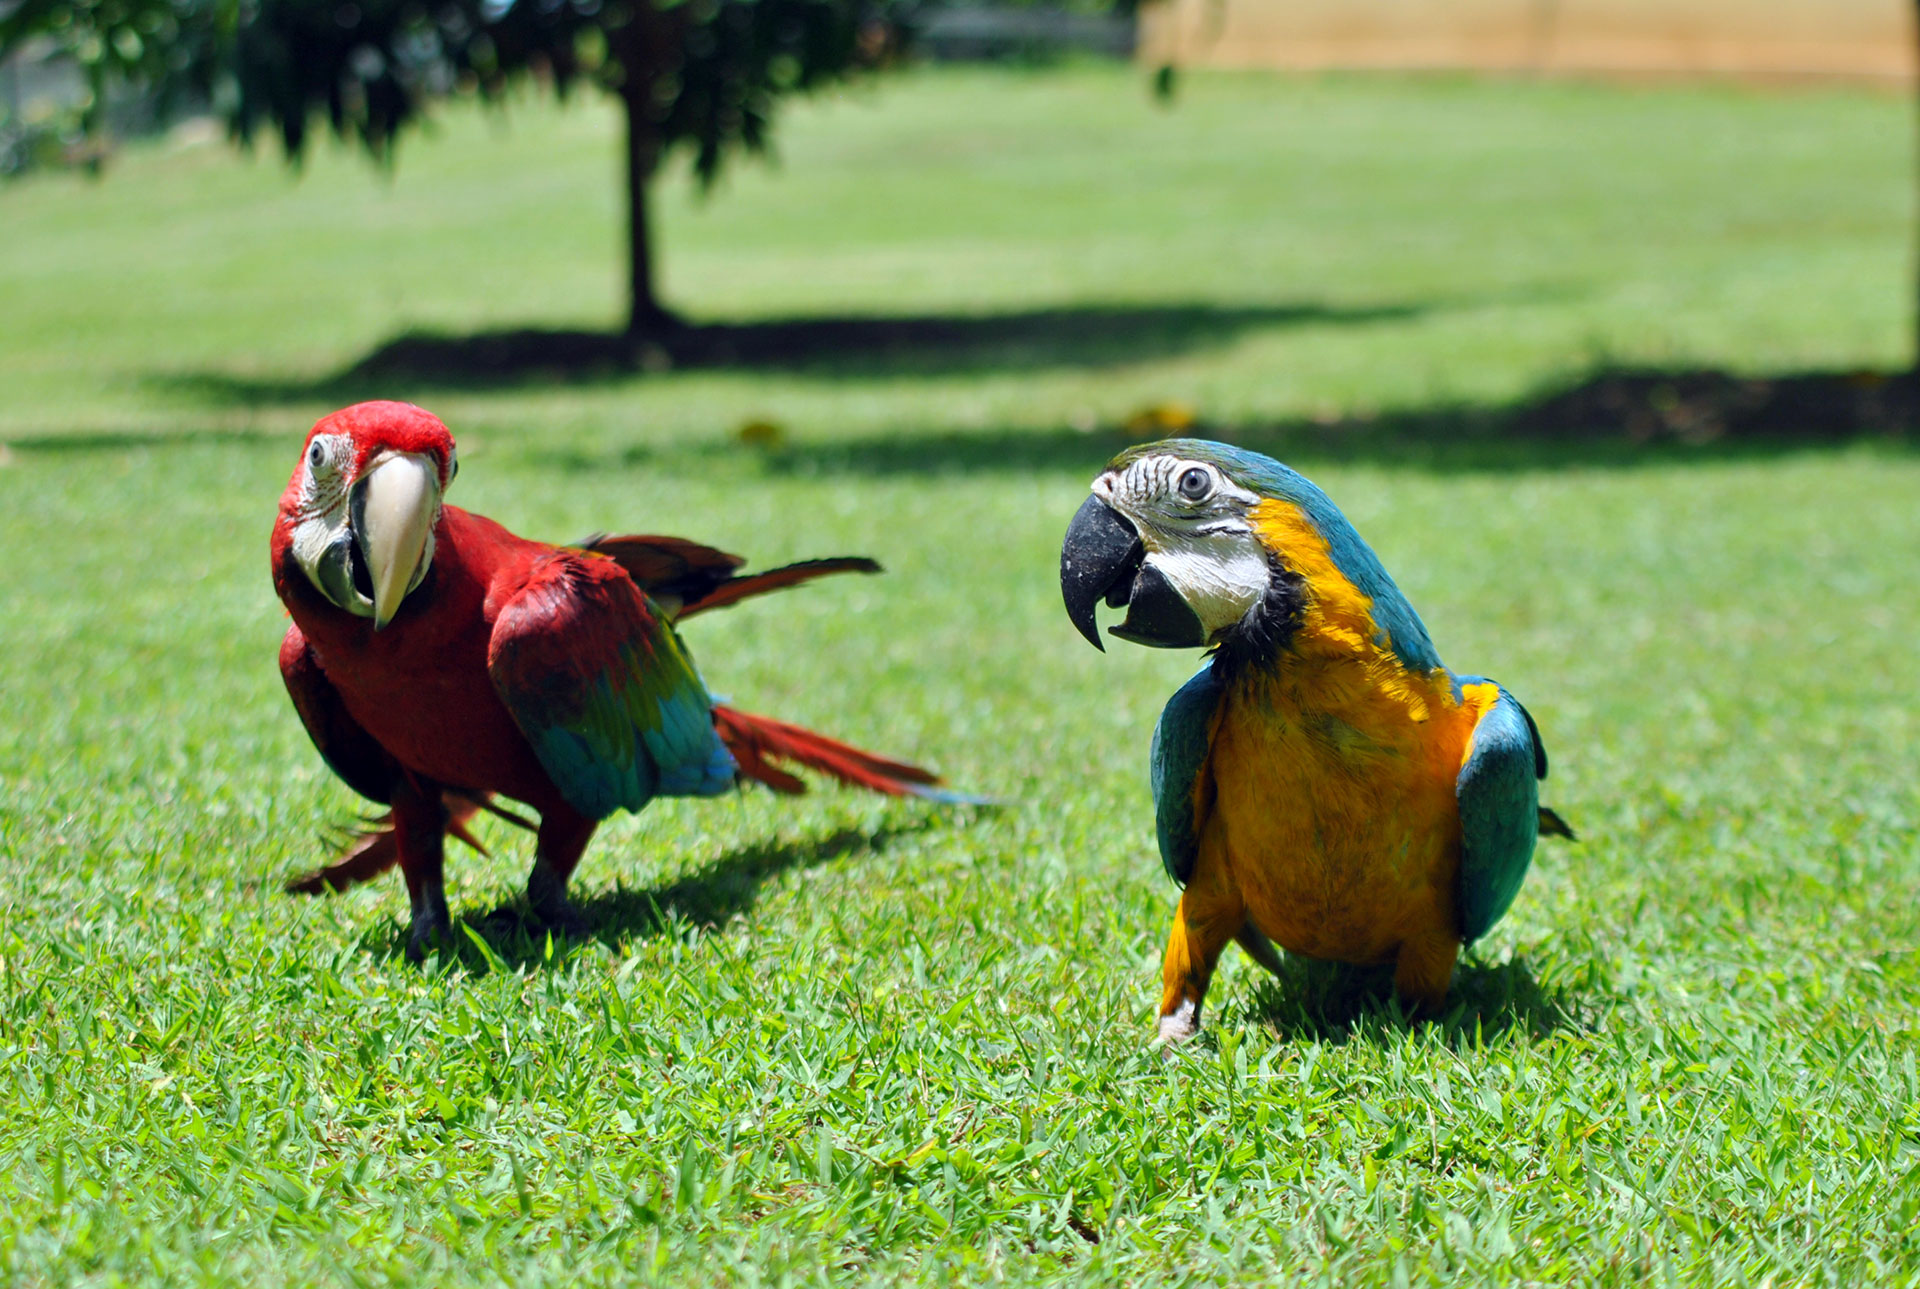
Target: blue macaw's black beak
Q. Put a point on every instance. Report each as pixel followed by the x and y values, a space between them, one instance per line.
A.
pixel 1103 558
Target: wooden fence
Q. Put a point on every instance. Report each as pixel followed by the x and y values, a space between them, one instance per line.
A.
pixel 1860 39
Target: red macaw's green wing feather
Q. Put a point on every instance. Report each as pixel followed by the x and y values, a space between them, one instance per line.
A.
pixel 603 690
pixel 685 578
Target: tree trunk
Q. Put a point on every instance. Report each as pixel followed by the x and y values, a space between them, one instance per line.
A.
pixel 646 47
pixel 645 316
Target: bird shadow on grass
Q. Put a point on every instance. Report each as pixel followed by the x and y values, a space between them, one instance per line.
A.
pixel 1327 1002
pixel 708 898
pixel 822 346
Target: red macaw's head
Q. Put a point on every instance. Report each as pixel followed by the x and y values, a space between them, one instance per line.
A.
pixel 362 505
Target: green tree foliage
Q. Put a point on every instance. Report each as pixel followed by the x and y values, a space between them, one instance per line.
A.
pixel 701 76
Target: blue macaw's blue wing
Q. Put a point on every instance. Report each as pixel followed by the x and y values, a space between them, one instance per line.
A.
pixel 1180 743
pixel 602 689
pixel 1499 810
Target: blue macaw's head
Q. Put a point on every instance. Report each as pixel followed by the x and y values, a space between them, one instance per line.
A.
pixel 1173 534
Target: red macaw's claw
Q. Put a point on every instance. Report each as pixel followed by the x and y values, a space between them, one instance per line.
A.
pixel 373 849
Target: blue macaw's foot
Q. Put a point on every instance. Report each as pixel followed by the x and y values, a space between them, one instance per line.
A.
pixel 1423 971
pixel 1180 1024
pixel 1211 913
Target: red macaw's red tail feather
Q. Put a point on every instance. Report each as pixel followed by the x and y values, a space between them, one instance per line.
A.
pixel 373 850
pixel 756 740
pixel 736 589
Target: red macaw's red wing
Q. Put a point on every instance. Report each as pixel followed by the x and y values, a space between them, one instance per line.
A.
pixel 672 571
pixel 686 578
pixel 736 589
pixel 603 691
pixel 348 749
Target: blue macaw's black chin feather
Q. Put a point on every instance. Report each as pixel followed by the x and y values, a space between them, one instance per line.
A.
pixel 1158 615
pixel 1269 625
pixel 1103 558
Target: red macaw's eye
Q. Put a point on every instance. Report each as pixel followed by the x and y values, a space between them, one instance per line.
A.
pixel 315 455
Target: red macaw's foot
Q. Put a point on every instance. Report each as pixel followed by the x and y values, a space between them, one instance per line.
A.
pixel 564 834
pixel 419 823
pixel 432 928
pixel 547 898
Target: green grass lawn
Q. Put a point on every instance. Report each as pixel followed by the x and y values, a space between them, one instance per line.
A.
pixel 840 1039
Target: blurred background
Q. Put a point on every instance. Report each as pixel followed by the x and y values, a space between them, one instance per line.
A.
pixel 1023 216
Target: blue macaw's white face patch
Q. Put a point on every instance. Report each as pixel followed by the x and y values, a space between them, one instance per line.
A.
pixel 1192 520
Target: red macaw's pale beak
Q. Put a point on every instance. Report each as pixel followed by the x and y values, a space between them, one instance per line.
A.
pixel 394 506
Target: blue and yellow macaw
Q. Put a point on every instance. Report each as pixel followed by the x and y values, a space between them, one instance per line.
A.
pixel 1324 783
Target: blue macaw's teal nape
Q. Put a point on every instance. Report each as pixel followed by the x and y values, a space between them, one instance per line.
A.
pixel 1325 782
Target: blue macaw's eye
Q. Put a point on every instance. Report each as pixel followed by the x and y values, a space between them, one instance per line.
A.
pixel 1195 484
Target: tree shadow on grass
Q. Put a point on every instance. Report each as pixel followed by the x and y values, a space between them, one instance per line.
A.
pixel 1615 417
pixel 708 898
pixel 1327 1002
pixel 1612 418
pixel 827 346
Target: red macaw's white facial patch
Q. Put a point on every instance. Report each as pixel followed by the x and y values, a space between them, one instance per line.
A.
pixel 1193 521
pixel 367 499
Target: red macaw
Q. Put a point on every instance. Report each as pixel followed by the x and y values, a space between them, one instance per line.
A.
pixel 438 660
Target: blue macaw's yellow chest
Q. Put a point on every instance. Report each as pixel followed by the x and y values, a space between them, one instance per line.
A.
pixel 1334 809
pixel 1333 777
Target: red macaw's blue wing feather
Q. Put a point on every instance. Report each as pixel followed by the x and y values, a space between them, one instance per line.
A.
pixel 1499 811
pixel 1181 741
pixel 603 690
